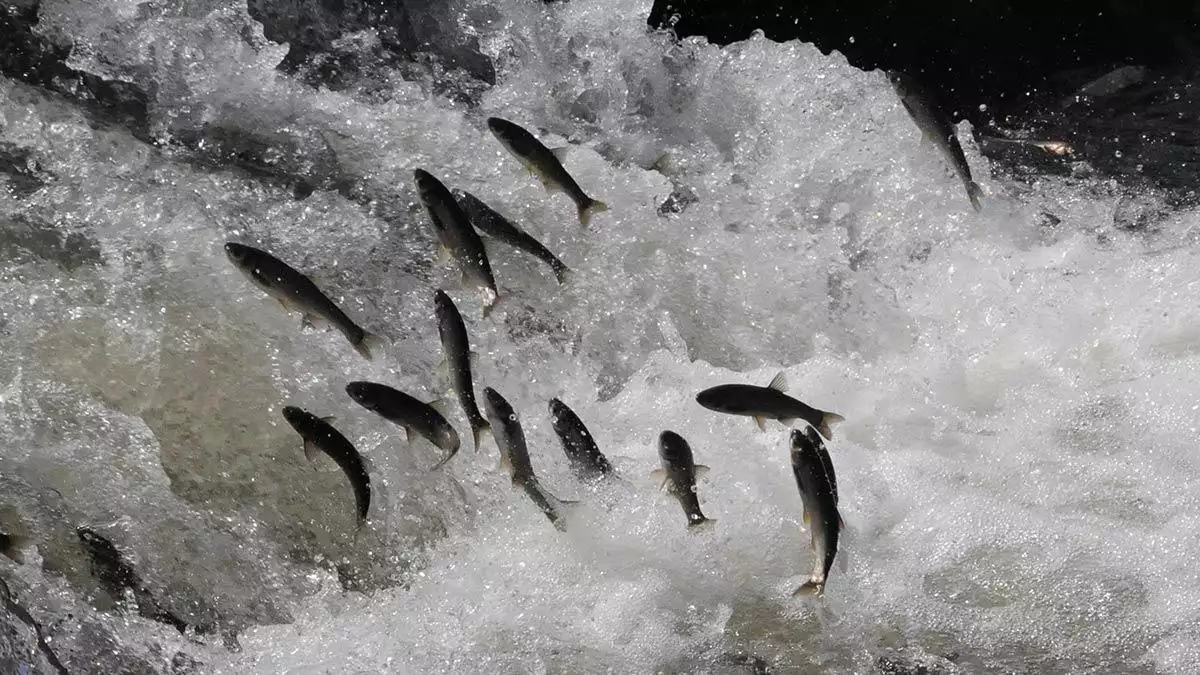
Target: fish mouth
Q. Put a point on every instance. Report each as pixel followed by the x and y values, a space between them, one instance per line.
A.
pixel 358 392
pixel 234 251
pixel 292 414
pixel 442 301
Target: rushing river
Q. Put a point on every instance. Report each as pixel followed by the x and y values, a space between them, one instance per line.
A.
pixel 1017 467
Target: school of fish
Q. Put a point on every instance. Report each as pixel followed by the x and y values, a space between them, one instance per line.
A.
pixel 457 219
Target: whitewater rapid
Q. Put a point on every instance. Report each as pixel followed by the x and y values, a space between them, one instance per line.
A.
pixel 1016 470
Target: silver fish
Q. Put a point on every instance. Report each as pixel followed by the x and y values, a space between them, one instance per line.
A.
pixel 457 238
pixel 818 492
pixel 414 415
pixel 297 292
pixel 767 402
pixel 456 348
pixel 514 456
pixel 544 163
pixel 318 434
pixel 587 461
pixel 490 222
pixel 936 126
pixel 679 473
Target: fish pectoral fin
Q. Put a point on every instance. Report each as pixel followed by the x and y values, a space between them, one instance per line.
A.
pixel 787 421
pixel 779 382
pixel 842 563
pixel 561 153
pixel 408 434
pixel 807 517
pixel 329 419
pixel 443 253
pixel 369 344
pixel 701 471
pixel 438 404
pixel 311 451
pixel 547 182
pixel 659 476
pixel 761 422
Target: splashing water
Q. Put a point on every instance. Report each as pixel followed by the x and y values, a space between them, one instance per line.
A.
pixel 1016 468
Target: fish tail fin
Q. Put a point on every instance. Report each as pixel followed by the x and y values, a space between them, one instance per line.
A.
pixel 561 271
pixel 811 587
pixel 442 461
pixel 13 550
pixel 974 192
pixel 827 421
pixel 369 343
pixel 477 429
pixel 591 208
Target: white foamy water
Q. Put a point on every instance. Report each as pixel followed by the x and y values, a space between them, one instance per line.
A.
pixel 1017 466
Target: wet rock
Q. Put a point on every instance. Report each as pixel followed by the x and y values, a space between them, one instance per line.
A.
pixel 25 238
pixel 30 57
pixel 22 171
pixel 678 201
pixel 407 34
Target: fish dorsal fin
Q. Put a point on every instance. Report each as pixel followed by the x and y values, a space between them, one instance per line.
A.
pixel 779 382
pixel 561 153
pixel 701 471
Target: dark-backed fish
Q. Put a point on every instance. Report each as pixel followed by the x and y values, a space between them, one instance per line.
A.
pixel 544 163
pixel 115 574
pixel 456 349
pixel 679 473
pixel 297 292
pixel 488 221
pixel 457 237
pixel 818 492
pixel 514 456
pixel 414 415
pixel 319 435
pixel 769 402
pixel 587 461
pixel 937 127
